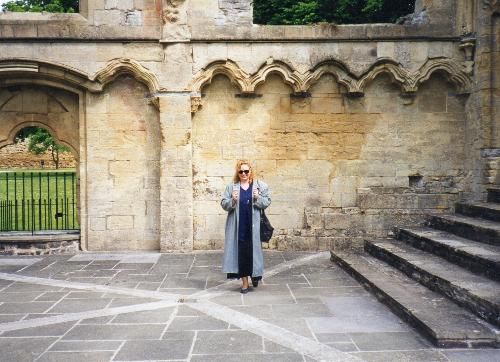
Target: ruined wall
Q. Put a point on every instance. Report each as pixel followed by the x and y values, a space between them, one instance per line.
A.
pixel 483 126
pixel 122 168
pixel 18 156
pixel 356 128
pixel 339 168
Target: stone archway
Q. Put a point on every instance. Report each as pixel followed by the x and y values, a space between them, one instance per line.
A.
pixel 57 83
pixel 42 208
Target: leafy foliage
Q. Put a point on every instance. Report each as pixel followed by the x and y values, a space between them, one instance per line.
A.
pixel 52 6
pixel 26 132
pixel 287 12
pixel 39 141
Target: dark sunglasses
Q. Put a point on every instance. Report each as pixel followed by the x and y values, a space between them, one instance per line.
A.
pixel 243 171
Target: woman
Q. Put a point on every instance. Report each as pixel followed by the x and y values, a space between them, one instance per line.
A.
pixel 243 199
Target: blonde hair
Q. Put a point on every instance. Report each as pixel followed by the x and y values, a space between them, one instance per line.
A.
pixel 239 163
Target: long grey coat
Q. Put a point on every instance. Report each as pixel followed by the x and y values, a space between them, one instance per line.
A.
pixel 230 262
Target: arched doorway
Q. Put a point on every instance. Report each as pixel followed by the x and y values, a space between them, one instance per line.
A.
pixel 38 183
pixel 36 194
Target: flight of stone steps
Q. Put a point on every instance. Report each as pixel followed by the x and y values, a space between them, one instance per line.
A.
pixel 444 278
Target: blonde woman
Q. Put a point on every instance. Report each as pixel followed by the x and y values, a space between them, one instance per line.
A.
pixel 243 199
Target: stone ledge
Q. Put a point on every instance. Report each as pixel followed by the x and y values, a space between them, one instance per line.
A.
pixel 22 243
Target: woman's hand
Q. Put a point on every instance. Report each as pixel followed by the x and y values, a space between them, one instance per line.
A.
pixel 256 194
pixel 235 196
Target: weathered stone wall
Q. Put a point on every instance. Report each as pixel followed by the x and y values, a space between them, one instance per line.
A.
pixel 483 118
pixel 337 166
pixel 122 169
pixel 356 128
pixel 18 156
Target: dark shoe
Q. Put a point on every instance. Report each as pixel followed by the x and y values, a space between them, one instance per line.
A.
pixel 255 282
pixel 244 291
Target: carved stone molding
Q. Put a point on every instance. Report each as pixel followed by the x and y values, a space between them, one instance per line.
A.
pixel 454 72
pixel 467 45
pixel 170 12
pixel 120 66
pixel 301 82
pixel 291 77
pixel 24 71
pixel 29 71
pixel 227 67
pixel 337 69
pixel 196 103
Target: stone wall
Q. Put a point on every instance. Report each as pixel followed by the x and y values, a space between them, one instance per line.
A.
pixel 17 156
pixel 337 166
pixel 356 128
pixel 482 131
pixel 123 136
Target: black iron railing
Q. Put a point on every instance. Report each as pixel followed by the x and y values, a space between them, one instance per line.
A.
pixel 32 201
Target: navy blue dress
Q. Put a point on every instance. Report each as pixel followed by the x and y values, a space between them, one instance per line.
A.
pixel 245 245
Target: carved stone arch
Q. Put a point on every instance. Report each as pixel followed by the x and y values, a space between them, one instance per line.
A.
pixel 335 68
pixel 53 132
pixel 290 76
pixel 230 69
pixel 409 81
pixel 15 71
pixel 386 66
pixel 121 66
pixel 453 71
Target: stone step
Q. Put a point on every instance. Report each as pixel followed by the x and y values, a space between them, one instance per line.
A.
pixel 484 210
pixel 443 322
pixel 477 257
pixel 485 231
pixel 477 293
pixel 494 194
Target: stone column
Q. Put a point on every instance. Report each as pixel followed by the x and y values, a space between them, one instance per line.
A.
pixel 488 85
pixel 495 80
pixel 176 181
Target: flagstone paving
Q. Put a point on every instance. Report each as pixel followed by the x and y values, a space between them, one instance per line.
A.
pixel 180 307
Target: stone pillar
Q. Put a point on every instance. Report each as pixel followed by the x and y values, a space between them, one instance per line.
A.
pixel 176 181
pixel 466 17
pixel 495 80
pixel 488 84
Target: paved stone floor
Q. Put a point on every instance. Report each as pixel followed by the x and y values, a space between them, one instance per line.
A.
pixel 179 307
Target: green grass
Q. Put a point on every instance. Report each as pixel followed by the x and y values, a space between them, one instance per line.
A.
pixel 38 195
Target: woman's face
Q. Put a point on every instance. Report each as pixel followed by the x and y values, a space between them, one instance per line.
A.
pixel 244 173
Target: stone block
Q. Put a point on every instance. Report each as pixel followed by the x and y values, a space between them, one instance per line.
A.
pixel 300 105
pixel 97 223
pixel 285 221
pixel 433 202
pixel 342 221
pixel 327 105
pixel 108 17
pixel 121 167
pixel 314 221
pixel 120 222
pixel 385 50
pixel 299 243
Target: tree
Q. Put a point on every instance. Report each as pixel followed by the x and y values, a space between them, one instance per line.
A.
pixel 52 6
pixel 40 141
pixel 274 12
pixel 26 132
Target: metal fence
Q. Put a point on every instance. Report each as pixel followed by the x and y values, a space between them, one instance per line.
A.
pixel 32 201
